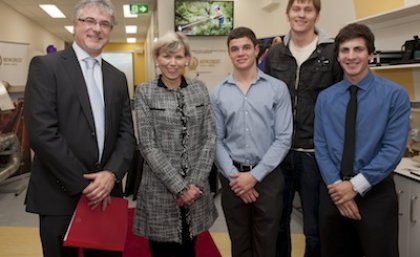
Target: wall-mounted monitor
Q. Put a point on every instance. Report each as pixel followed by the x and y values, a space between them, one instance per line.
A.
pixel 204 18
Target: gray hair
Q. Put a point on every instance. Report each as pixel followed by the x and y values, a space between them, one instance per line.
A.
pixel 104 5
pixel 171 42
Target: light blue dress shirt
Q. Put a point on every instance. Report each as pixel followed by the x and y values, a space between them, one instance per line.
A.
pixel 382 124
pixel 252 128
pixel 98 100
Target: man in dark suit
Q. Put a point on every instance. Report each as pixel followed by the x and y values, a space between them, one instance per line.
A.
pixel 82 137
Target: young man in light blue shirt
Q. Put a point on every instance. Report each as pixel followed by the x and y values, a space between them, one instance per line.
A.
pixel 253 132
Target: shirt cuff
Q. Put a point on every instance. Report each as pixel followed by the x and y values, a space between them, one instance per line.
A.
pixel 227 174
pixel 258 174
pixel 360 184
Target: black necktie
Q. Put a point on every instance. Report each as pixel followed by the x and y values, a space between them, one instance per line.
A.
pixel 347 158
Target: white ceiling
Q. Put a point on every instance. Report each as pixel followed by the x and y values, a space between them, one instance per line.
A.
pixel 31 10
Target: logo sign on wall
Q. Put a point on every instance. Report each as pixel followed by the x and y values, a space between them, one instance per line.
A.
pixel 209 65
pixel 14 63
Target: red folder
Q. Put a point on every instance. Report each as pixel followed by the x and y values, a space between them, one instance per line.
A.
pixel 98 229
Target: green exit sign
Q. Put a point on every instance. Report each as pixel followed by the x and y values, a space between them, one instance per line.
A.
pixel 139 8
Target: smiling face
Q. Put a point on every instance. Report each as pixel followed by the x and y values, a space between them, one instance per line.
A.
pixel 172 65
pixel 91 36
pixel 353 56
pixel 243 53
pixel 302 16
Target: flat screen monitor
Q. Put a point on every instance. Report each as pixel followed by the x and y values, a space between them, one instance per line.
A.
pixel 204 18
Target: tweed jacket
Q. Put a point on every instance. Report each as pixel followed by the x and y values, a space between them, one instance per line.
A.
pixel 161 141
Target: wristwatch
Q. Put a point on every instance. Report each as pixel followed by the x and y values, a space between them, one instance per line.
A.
pixel 116 180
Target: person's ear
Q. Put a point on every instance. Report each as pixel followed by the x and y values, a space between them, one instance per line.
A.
pixel 188 58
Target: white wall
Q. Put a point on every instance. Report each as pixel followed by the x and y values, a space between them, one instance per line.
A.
pixel 151 34
pixel 265 23
pixel 17 28
pixel 411 2
pixel 335 14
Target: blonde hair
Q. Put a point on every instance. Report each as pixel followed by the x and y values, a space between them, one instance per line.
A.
pixel 170 43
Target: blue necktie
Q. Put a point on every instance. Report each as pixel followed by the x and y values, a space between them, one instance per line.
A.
pixel 96 102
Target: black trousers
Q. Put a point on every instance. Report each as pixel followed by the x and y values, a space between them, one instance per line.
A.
pixel 173 249
pixel 301 174
pixel 376 235
pixel 253 227
pixel 52 231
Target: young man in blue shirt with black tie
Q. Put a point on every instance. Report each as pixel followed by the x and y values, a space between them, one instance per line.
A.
pixel 358 202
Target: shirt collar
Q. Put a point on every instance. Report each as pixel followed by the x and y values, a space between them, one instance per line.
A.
pixel 81 54
pixel 364 84
pixel 260 76
pixel 183 82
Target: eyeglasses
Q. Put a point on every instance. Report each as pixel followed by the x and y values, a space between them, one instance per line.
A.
pixel 91 22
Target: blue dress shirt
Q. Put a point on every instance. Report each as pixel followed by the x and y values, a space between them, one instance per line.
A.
pixel 382 125
pixel 252 128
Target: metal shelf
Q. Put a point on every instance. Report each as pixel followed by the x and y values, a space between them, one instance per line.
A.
pixel 394 67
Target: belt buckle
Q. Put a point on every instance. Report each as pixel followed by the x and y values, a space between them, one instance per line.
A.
pixel 247 167
pixel 346 178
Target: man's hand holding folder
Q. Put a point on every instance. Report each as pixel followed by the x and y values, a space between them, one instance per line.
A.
pixel 97 228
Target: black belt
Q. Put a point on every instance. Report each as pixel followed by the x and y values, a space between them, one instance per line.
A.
pixel 242 167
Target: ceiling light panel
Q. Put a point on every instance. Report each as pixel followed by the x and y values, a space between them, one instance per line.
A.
pixel 52 10
pixel 127 13
pixel 69 29
pixel 131 29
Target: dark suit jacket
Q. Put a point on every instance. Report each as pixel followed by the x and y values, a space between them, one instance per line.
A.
pixel 61 131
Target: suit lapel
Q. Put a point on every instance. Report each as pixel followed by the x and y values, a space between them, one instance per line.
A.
pixel 108 95
pixel 78 82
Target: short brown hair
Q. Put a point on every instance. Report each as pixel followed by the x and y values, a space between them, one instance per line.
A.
pixel 241 32
pixel 317 4
pixel 355 30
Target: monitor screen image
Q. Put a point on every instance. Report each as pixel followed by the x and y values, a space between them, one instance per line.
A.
pixel 204 18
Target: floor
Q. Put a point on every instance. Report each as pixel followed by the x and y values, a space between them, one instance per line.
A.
pixel 19 234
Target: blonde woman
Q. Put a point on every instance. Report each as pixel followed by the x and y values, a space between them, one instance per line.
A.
pixel 177 139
